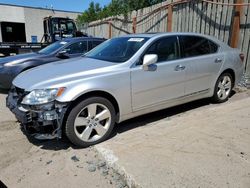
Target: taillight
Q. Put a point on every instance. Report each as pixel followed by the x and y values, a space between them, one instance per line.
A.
pixel 242 57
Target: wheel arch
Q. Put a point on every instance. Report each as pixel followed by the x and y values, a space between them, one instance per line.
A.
pixel 231 72
pixel 97 93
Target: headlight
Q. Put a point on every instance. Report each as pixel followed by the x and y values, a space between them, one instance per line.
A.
pixel 42 96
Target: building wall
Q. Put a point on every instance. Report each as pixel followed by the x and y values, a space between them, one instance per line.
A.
pixel 11 14
pixel 32 17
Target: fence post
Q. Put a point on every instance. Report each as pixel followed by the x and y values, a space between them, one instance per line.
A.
pixel 170 17
pixel 134 25
pixel 110 29
pixel 236 25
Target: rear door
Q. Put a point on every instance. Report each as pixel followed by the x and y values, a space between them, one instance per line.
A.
pixel 164 81
pixel 202 61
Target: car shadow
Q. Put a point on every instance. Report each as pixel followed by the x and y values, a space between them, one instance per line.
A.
pixel 55 144
pixel 4 91
pixel 144 120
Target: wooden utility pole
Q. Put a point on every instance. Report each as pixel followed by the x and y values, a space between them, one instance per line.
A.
pixel 236 25
pixel 134 25
pixel 170 17
pixel 110 29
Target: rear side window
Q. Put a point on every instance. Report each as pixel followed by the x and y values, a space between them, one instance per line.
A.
pixel 166 49
pixel 78 47
pixel 196 46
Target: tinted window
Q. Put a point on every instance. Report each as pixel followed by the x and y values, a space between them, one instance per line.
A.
pixel 166 49
pixel 117 50
pixel 70 26
pixel 213 47
pixel 53 47
pixel 195 46
pixel 95 43
pixel 78 47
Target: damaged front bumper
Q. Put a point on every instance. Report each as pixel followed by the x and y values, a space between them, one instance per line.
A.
pixel 42 121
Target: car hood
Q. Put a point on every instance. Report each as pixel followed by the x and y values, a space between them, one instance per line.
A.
pixel 62 72
pixel 20 58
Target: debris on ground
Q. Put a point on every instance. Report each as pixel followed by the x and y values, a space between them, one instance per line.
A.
pixel 48 162
pixel 75 159
pixel 98 164
pixel 91 168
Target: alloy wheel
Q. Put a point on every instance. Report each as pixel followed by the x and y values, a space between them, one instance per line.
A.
pixel 92 123
pixel 224 87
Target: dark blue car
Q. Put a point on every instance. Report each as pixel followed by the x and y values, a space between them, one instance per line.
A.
pixel 11 66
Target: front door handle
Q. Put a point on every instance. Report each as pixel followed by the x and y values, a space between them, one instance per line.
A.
pixel 179 68
pixel 218 60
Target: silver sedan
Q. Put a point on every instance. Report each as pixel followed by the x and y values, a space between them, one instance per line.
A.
pixel 122 78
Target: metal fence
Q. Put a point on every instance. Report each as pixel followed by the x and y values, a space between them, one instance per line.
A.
pixel 225 20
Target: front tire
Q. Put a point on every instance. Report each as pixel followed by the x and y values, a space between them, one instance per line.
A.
pixel 90 122
pixel 223 88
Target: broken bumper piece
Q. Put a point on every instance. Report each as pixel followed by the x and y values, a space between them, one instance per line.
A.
pixel 41 121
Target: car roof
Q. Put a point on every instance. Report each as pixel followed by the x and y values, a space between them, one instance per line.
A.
pixel 157 34
pixel 75 39
pixel 162 34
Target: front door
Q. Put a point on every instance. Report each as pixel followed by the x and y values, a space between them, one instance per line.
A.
pixel 161 83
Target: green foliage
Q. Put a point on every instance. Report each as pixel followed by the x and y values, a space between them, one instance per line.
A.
pixel 116 7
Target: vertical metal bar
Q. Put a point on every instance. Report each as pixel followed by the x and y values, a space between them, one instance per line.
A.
pixel 236 25
pixel 170 18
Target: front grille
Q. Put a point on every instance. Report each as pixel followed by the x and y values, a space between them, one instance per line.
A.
pixel 29 117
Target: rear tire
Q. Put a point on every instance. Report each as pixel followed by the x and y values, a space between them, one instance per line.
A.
pixel 223 88
pixel 90 122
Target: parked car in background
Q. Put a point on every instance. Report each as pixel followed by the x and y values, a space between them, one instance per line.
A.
pixel 122 78
pixel 11 66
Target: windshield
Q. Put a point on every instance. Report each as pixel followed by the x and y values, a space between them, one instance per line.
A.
pixel 118 49
pixel 53 47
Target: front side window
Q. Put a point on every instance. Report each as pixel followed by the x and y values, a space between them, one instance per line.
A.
pixel 196 46
pixel 77 48
pixel 167 49
pixel 213 47
pixel 55 25
pixel 117 50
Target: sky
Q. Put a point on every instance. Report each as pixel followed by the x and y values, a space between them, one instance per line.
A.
pixel 70 5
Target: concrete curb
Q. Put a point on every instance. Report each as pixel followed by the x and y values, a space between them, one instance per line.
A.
pixel 112 162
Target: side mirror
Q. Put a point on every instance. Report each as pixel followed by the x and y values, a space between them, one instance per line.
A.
pixel 148 60
pixel 62 54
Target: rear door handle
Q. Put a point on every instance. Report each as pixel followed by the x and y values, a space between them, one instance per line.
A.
pixel 179 68
pixel 218 60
